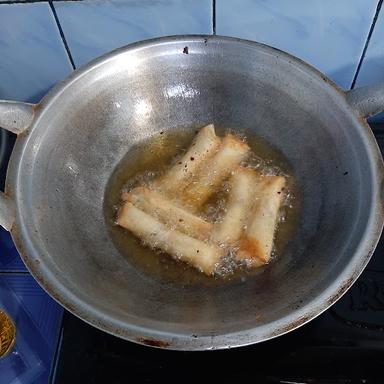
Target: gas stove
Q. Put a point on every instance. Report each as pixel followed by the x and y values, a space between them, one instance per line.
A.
pixel 343 345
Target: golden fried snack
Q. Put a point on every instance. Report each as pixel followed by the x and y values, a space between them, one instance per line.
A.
pixel 242 186
pixel 152 232
pixel 203 146
pixel 215 170
pixel 158 206
pixel 257 242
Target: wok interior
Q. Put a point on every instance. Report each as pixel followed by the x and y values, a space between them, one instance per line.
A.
pixel 84 134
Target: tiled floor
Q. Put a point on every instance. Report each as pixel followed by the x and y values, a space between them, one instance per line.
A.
pixel 9 258
pixel 37 318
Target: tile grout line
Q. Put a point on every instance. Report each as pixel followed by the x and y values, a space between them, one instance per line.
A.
pixel 62 35
pixel 371 29
pixel 213 17
pixel 8 2
pixel 21 2
pixel 56 355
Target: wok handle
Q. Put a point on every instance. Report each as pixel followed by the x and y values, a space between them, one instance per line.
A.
pixel 15 117
pixel 367 101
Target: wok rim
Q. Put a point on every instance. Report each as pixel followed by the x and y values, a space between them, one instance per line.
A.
pixel 153 337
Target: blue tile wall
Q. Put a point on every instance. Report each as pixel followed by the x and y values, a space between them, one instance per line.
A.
pixel 95 27
pixel 32 55
pixel 328 34
pixel 32 60
pixel 372 68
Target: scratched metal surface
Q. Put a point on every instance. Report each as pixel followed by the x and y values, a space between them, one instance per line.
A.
pixel 60 229
pixel 343 345
pixel 36 316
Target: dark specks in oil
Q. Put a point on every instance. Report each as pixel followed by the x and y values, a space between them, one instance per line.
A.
pixel 149 159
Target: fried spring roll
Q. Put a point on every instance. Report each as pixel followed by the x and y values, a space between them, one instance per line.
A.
pixel 204 145
pixel 215 170
pixel 152 232
pixel 257 243
pixel 241 198
pixel 156 205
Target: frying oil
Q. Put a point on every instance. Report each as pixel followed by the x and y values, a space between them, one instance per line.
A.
pixel 150 159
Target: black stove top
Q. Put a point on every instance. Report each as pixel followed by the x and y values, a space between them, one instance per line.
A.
pixel 343 345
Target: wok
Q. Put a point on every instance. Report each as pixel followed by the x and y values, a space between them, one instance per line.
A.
pixel 70 143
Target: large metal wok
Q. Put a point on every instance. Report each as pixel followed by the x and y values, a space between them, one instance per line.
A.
pixel 69 144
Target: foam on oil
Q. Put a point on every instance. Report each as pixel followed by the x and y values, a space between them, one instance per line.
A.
pixel 144 162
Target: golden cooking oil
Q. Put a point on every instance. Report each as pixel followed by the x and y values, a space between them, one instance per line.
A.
pixel 153 157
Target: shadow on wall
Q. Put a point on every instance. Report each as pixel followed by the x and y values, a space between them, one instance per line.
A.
pixel 343 75
pixel 372 71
